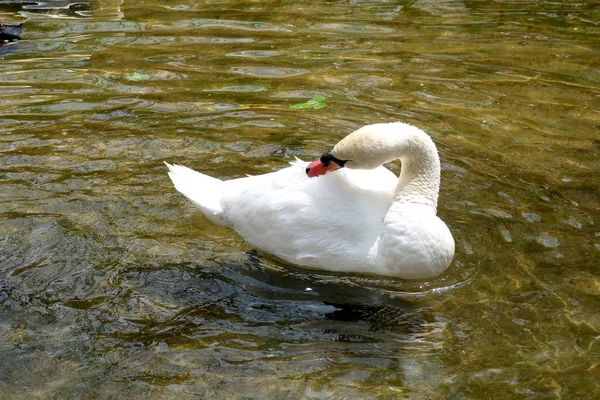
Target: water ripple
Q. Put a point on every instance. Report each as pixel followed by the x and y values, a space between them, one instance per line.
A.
pixel 269 72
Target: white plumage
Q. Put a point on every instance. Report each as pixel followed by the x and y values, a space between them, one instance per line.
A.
pixel 350 219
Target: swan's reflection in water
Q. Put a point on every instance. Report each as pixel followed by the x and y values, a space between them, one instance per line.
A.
pixel 248 321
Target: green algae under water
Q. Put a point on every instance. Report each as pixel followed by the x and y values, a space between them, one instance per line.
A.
pixel 113 286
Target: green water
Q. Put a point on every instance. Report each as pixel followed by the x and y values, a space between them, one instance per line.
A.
pixel 113 286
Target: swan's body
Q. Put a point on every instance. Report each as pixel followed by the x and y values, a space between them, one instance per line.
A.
pixel 361 218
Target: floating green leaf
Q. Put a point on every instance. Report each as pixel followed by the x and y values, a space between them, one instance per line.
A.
pixel 136 76
pixel 317 102
pixel 301 105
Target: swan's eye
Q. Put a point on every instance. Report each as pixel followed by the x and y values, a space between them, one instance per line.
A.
pixel 326 159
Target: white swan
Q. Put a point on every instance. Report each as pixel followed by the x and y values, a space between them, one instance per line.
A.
pixel 360 218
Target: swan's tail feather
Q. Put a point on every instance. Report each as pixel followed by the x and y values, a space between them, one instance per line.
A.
pixel 204 191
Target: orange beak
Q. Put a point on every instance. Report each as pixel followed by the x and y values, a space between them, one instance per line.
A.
pixel 317 168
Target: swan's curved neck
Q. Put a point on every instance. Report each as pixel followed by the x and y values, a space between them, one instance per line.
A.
pixel 375 145
pixel 419 181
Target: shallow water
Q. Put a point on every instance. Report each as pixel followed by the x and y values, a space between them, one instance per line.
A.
pixel 113 286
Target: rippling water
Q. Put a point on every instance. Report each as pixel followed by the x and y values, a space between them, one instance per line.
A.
pixel 113 286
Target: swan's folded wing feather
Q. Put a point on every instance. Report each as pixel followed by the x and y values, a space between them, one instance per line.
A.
pixel 309 221
pixel 204 191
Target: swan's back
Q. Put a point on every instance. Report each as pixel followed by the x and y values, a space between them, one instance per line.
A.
pixel 334 219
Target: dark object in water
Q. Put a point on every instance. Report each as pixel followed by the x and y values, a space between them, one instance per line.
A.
pixel 10 31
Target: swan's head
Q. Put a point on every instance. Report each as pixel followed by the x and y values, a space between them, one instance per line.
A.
pixel 366 148
pixel 326 163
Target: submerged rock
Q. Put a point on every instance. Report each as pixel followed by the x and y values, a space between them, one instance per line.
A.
pixel 11 31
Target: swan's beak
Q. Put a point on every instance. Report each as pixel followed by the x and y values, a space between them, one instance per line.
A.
pixel 317 168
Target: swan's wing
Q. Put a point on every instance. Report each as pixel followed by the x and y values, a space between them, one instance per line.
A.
pixel 310 221
pixel 206 192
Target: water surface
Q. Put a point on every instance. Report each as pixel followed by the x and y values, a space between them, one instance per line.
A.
pixel 113 286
